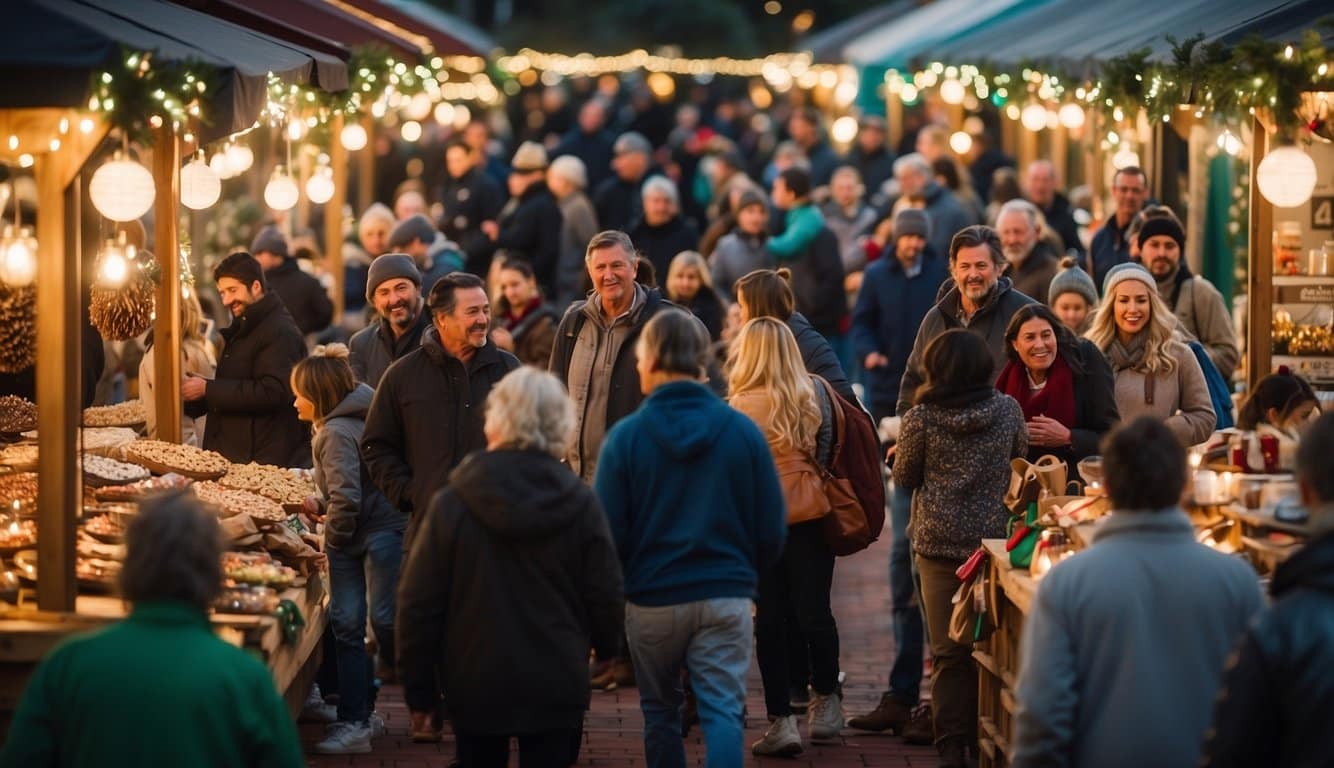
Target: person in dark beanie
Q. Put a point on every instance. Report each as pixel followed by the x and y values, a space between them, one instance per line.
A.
pixel 249 402
pixel 394 288
pixel 301 293
pixel 433 255
pixel 1176 611
pixel 1278 688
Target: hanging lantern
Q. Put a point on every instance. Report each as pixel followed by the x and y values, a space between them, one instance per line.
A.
pixel 1286 177
pixel 1034 117
pixel 281 192
pixel 18 257
pixel 354 137
pixel 411 131
pixel 218 163
pixel 200 186
pixel 961 142
pixel 320 185
pixel 1125 158
pixel 419 108
pixel 296 129
pixel 1072 116
pixel 844 129
pixel 122 190
pixel 239 159
pixel 952 92
pixel 444 113
pixel 123 292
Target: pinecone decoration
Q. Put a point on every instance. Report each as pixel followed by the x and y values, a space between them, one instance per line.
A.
pixel 123 313
pixel 18 327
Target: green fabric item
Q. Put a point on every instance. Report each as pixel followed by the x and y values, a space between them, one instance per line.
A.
pixel 1022 554
pixel 803 224
pixel 158 688
pixel 1218 259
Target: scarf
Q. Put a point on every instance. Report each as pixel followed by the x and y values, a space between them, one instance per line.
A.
pixel 1127 356
pixel 513 318
pixel 1055 400
pixel 955 398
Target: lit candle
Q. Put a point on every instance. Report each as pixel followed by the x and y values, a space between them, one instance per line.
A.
pixel 1206 486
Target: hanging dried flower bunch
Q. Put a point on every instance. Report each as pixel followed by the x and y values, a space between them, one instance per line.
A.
pixel 18 327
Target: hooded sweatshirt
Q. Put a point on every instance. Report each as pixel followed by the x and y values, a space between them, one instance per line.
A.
pixel 514 572
pixel 692 497
pixel 957 459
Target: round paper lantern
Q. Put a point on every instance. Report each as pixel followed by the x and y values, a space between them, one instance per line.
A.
pixel 419 107
pixel 444 113
pixel 1286 177
pixel 1034 117
pixel 281 192
pixel 1072 116
pixel 844 129
pixel 951 92
pixel 200 186
pixel 18 262
pixel 239 159
pixel 961 142
pixel 219 165
pixel 411 131
pixel 320 186
pixel 122 190
pixel 354 137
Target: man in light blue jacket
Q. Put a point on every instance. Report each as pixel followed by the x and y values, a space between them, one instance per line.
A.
pixel 1123 651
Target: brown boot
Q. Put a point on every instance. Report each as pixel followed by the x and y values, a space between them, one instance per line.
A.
pixel 920 730
pixel 624 672
pixel 889 715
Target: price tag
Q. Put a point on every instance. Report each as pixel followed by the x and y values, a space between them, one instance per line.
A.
pixel 1322 213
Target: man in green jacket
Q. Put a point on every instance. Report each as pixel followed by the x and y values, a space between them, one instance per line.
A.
pixel 158 688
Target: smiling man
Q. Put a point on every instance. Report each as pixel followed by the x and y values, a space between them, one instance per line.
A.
pixel 394 289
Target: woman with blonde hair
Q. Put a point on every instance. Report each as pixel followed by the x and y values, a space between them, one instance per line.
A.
pixel 197 358
pixel 1156 374
pixel 769 383
pixel 363 534
pixel 690 286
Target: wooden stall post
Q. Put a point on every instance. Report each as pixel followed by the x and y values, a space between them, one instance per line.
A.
pixel 167 323
pixel 366 166
pixel 333 214
pixel 894 120
pixel 1260 274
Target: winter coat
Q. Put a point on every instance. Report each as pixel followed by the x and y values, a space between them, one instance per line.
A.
pixel 1124 647
pixel 1180 398
pixel 512 578
pixel 660 244
pixel 692 498
pixel 468 201
pixel 88 701
pixel 1062 220
pixel 1204 315
pixel 594 149
pixel 356 273
pixel 531 231
pixel 984 167
pixel 817 285
pixel 250 413
pixel 947 215
pixel 1095 404
pixel 373 349
pixel 709 309
pixel 302 294
pixel 823 160
pixel 1278 688
pixel 426 416
pixel 1108 248
pixel 1033 277
pixel 818 356
pixel 534 335
pixel 850 228
pixel 885 319
pixel 618 202
pixel 444 257
pixel 736 256
pixel 354 506
pixel 578 225
pixel 875 167
pixel 957 462
pixel 989 322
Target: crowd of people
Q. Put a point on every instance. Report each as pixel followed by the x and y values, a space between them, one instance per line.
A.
pixel 585 409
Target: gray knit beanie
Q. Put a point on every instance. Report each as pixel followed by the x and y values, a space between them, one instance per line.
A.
pixel 388 267
pixel 1072 279
pixel 414 227
pixel 270 239
pixel 912 221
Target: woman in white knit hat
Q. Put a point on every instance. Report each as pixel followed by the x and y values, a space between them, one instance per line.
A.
pixel 1156 374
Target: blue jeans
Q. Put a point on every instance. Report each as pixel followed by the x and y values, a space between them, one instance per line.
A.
pixel 377 557
pixel 713 639
pixel 905 677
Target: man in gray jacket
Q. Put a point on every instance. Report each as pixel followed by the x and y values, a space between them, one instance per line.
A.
pixel 1124 647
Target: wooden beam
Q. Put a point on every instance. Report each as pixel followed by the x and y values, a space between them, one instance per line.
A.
pixel 333 214
pixel 167 323
pixel 894 120
pixel 366 167
pixel 1260 272
pixel 59 382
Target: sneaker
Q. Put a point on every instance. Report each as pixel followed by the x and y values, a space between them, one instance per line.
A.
pixel 799 699
pixel 889 715
pixel 377 726
pixel 920 730
pixel 781 739
pixel 316 710
pixel 344 738
pixel 826 716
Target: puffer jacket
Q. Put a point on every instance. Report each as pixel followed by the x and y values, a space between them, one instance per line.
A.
pixel 354 506
pixel 1278 690
pixel 957 460
pixel 736 256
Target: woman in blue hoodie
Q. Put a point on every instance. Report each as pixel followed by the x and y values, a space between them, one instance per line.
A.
pixel 360 528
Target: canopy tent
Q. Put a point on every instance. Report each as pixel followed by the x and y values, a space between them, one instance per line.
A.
pixel 311 23
pixel 826 46
pixel 897 42
pixel 435 30
pixel 55 47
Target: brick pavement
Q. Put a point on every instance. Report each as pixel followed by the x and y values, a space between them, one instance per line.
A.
pixel 612 730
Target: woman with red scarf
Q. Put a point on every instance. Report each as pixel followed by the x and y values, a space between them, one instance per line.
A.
pixel 525 324
pixel 1063 384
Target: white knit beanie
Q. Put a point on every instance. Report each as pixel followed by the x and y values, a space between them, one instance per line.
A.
pixel 1128 271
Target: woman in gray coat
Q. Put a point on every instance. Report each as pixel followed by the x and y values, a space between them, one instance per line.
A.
pixel 361 529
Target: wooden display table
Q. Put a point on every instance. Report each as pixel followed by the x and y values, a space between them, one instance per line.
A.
pixel 997 657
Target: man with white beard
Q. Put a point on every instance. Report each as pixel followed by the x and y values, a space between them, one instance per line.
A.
pixel 1031 260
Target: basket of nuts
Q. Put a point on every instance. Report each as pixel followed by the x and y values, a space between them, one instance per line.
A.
pixel 164 458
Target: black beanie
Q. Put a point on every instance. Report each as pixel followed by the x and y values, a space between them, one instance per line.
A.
pixel 1162 226
pixel 243 268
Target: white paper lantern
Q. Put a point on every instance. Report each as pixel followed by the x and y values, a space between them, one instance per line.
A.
pixel 122 190
pixel 951 92
pixel 419 108
pixel 1034 117
pixel 411 131
pixel 18 260
pixel 239 159
pixel 961 142
pixel 219 165
pixel 1286 177
pixel 354 137
pixel 444 113
pixel 200 186
pixel 1053 120
pixel 1072 116
pixel 281 192
pixel 320 186
pixel 844 129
